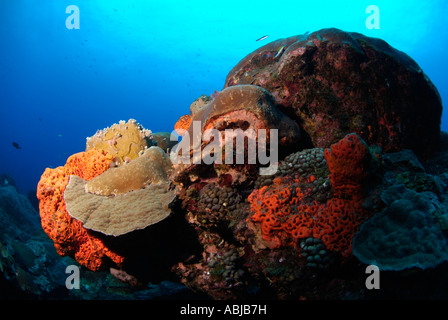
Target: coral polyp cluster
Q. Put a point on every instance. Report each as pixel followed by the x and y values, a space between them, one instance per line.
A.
pixel 123 140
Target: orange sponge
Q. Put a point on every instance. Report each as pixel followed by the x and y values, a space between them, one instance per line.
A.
pixel 284 218
pixel 347 161
pixel 183 124
pixel 68 234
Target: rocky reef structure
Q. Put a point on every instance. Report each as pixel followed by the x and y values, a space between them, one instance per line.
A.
pixel 29 264
pixel 361 171
pixel 361 106
pixel 163 141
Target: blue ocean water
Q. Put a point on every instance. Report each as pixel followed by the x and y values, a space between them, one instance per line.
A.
pixel 148 60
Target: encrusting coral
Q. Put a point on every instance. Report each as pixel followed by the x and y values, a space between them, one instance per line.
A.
pixel 69 236
pixel 348 162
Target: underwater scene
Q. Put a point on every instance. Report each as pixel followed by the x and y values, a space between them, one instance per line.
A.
pixel 235 150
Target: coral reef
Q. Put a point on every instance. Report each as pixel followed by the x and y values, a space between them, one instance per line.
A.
pixel 348 162
pixel 216 204
pixel 199 103
pixel 28 260
pixel 315 253
pixel 361 178
pixel 246 107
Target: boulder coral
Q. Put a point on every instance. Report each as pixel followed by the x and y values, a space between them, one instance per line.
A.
pixel 337 82
pixel 405 235
pixel 199 103
pixel 69 236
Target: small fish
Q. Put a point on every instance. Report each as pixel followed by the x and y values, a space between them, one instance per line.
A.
pixel 16 145
pixel 318 36
pixel 279 51
pixel 262 38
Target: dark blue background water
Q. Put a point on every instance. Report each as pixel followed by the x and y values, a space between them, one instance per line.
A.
pixel 148 60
